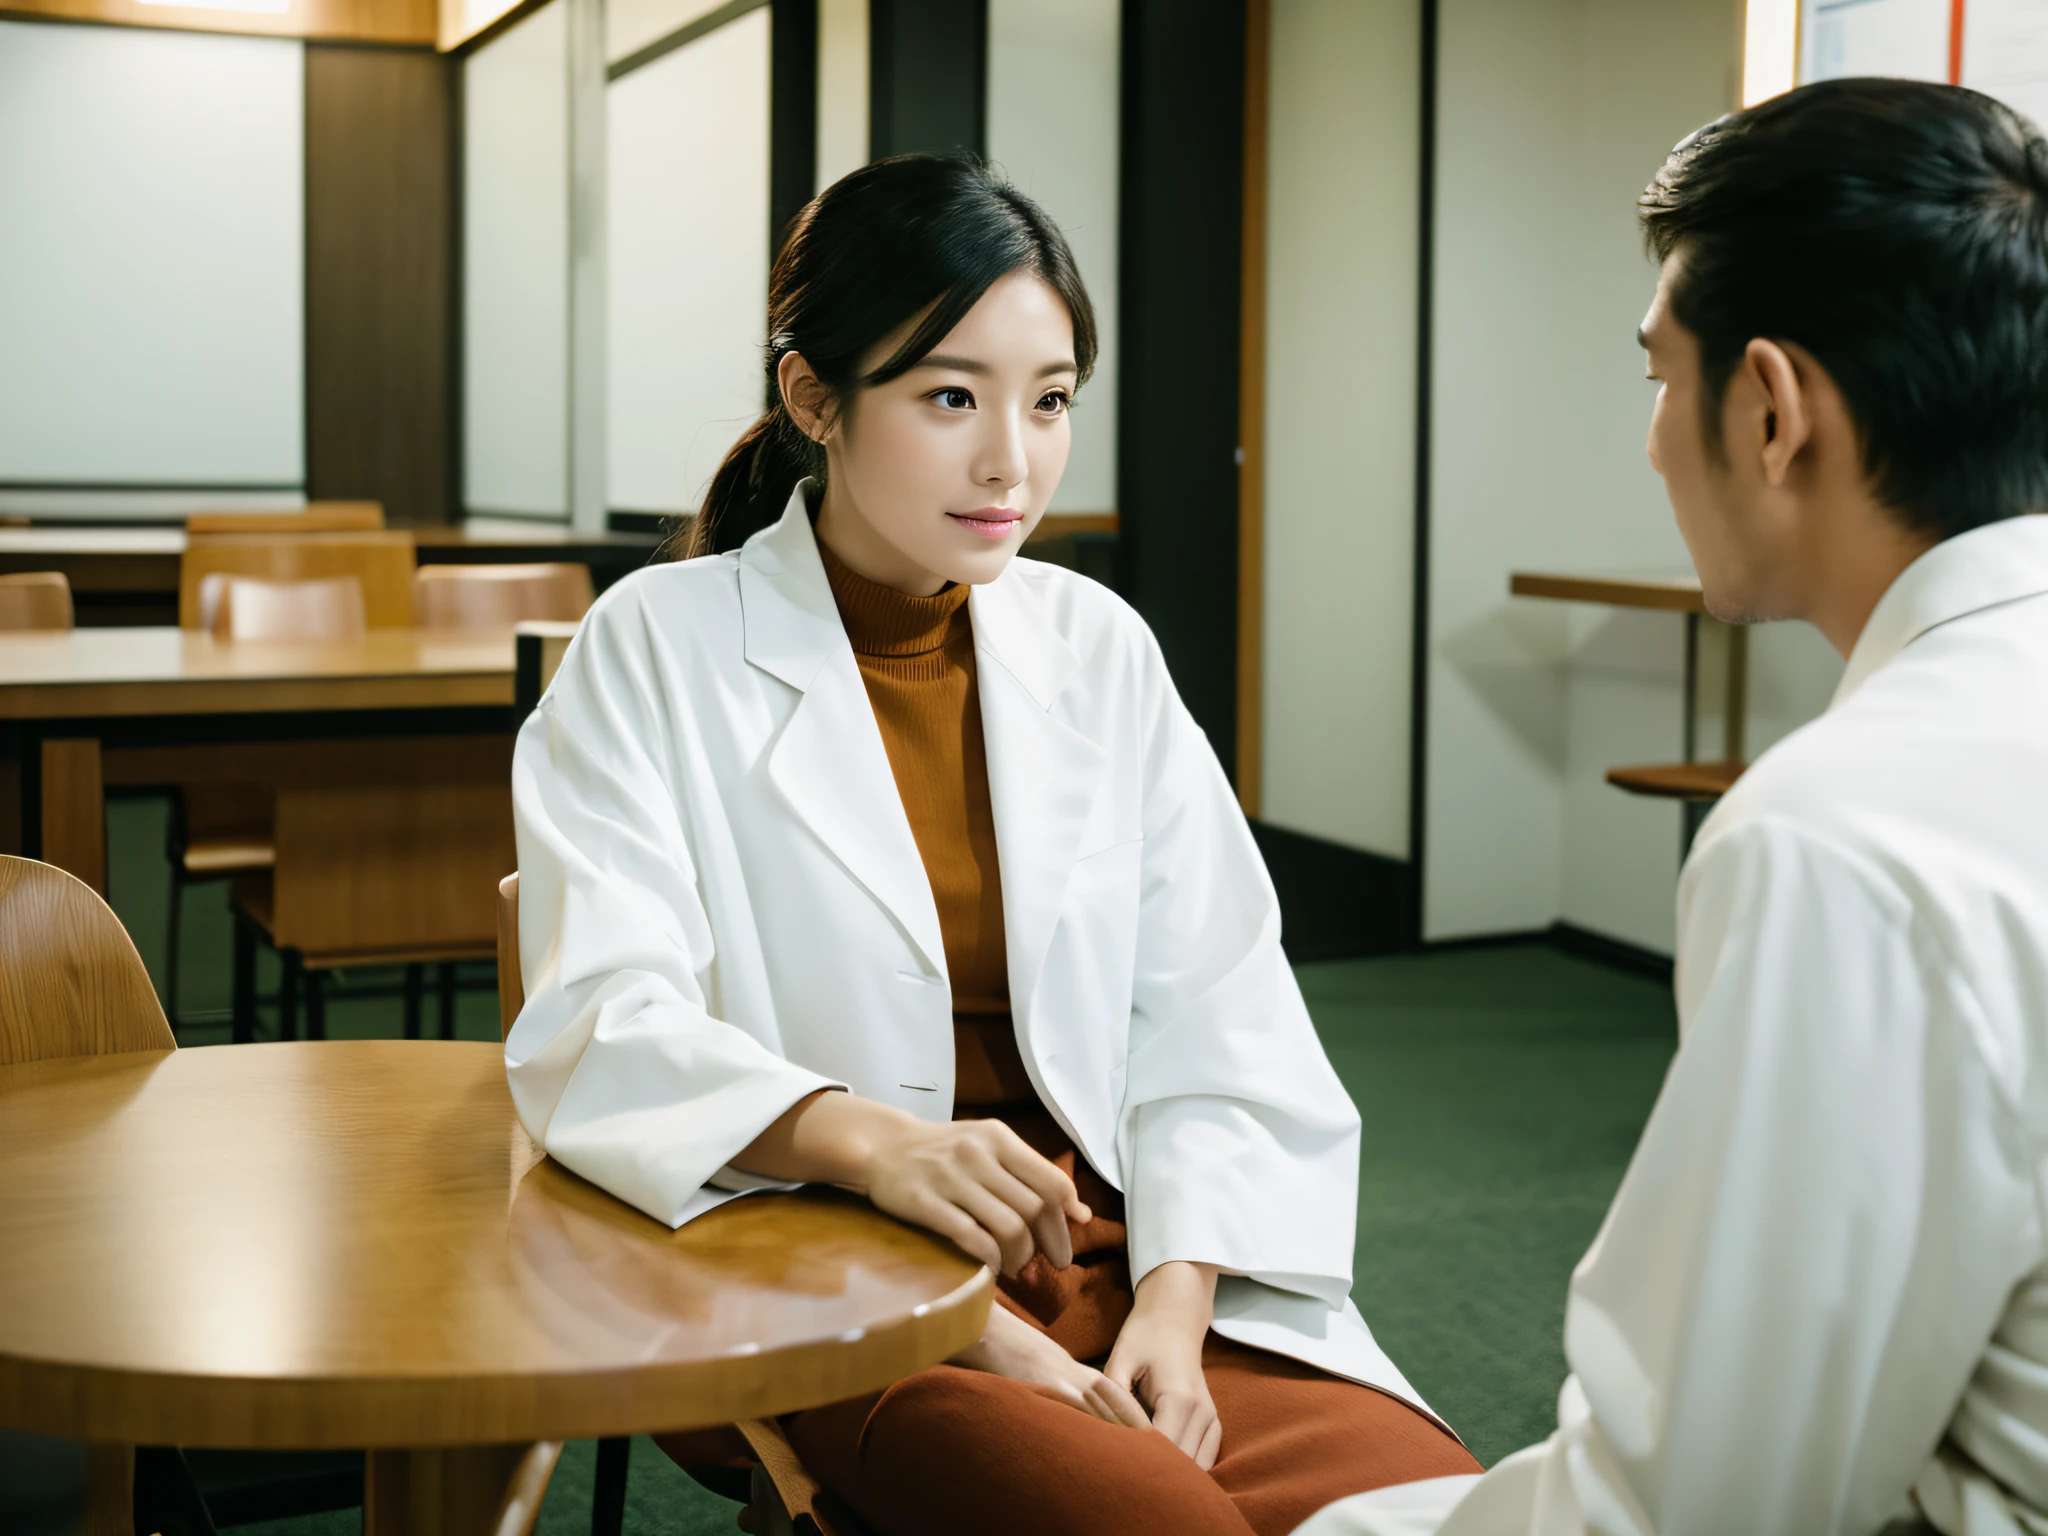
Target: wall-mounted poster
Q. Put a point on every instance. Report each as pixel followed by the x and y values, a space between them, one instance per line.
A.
pixel 1907 39
pixel 1999 47
pixel 2004 46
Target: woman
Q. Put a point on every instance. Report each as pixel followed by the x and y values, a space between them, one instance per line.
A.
pixel 857 851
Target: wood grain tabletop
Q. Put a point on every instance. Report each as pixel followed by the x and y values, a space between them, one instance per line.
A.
pixel 354 1243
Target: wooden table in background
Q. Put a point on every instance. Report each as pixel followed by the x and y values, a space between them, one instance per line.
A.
pixel 1691 781
pixel 95 708
pixel 129 576
pixel 343 1244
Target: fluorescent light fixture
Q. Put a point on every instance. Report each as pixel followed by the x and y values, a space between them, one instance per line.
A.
pixel 1770 49
pixel 251 7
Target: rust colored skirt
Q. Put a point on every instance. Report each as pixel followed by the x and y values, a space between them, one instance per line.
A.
pixel 950 1450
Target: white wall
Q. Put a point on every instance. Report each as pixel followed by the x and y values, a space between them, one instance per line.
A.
pixel 151 257
pixel 1344 143
pixel 842 88
pixel 630 25
pixel 688 280
pixel 1054 72
pixel 516 270
pixel 1553 114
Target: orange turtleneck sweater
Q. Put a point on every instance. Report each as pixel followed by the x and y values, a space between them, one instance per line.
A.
pixel 916 655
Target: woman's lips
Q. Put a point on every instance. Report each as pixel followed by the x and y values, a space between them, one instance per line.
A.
pixel 989 522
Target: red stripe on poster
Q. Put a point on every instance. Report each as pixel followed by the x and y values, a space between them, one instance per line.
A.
pixel 1955 42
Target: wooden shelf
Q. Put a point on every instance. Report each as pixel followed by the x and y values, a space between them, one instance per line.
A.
pixel 1672 594
pixel 1678 781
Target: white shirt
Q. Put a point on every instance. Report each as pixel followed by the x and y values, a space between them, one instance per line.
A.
pixel 722 909
pixel 1821 1294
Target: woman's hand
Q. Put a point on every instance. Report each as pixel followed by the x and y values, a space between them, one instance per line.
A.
pixel 1158 1356
pixel 1011 1347
pixel 974 1181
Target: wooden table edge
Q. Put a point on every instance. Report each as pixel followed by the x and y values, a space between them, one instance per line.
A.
pixel 398 1412
pixel 1672 596
pixel 256 695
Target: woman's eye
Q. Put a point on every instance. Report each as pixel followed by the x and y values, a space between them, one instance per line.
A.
pixel 955 399
pixel 1054 403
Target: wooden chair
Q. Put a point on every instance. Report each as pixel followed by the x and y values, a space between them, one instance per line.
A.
pixel 314 517
pixel 392 860
pixel 499 596
pixel 781 1497
pixel 71 983
pixel 221 831
pixel 383 561
pixel 35 600
pixel 251 608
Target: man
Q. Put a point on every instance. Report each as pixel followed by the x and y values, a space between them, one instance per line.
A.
pixel 1820 1301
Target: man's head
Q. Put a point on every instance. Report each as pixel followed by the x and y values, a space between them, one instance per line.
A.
pixel 1851 328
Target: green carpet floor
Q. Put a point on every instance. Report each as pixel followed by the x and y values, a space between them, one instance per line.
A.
pixel 1501 1089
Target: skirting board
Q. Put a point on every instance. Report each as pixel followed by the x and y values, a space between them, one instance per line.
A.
pixel 1569 939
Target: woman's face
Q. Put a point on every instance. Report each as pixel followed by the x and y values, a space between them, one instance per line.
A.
pixel 940 475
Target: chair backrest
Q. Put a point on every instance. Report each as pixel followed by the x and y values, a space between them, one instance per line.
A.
pixel 400 850
pixel 71 983
pixel 35 600
pixel 499 596
pixel 251 608
pixel 314 517
pixel 511 985
pixel 382 562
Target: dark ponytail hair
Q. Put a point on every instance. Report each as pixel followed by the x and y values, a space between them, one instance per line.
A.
pixel 911 236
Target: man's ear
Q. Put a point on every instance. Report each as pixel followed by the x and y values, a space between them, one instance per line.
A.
pixel 804 396
pixel 1775 378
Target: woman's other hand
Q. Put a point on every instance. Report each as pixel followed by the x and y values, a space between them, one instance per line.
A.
pixel 1158 1357
pixel 1011 1347
pixel 973 1181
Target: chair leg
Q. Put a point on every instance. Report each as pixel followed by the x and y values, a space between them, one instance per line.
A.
pixel 415 986
pixel 172 927
pixel 608 1493
pixel 245 979
pixel 288 995
pixel 447 999
pixel 316 1005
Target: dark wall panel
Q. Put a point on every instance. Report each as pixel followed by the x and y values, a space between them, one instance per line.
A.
pixel 380 317
pixel 1177 413
pixel 927 76
pixel 792 113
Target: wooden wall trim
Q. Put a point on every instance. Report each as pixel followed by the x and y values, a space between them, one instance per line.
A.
pixel 1251 418
pixel 409 22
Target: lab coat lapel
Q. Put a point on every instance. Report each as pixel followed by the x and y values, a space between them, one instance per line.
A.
pixel 829 763
pixel 1043 774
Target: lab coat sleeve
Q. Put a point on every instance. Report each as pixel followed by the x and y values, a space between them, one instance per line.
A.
pixel 1240 1144
pixel 1811 1247
pixel 617 1065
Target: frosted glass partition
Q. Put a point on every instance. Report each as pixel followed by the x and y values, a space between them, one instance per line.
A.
pixel 688 285
pixel 1054 71
pixel 515 245
pixel 630 25
pixel 151 258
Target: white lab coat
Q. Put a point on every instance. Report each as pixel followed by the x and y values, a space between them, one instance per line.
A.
pixel 722 909
pixel 1821 1295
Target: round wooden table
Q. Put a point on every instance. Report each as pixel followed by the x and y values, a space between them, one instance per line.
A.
pixel 354 1243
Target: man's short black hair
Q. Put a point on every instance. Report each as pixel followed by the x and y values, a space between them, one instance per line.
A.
pixel 1898 231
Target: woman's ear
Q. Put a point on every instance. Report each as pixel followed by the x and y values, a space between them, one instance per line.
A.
pixel 804 396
